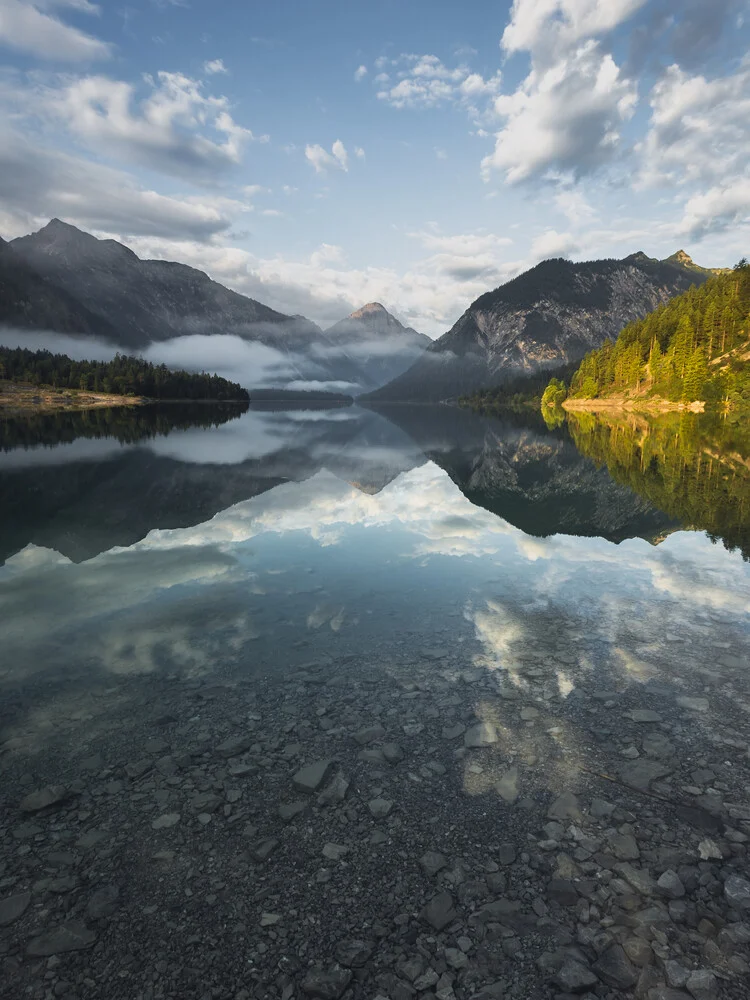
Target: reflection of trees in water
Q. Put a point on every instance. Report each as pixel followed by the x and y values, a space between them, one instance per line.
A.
pixel 694 468
pixel 126 424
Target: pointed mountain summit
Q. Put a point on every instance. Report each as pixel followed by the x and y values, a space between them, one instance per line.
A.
pixel 376 341
pixel 547 317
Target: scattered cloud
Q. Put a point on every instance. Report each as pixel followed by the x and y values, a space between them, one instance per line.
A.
pixel 177 129
pixel 214 66
pixel 360 73
pixel 359 152
pixel 423 81
pixel 32 27
pixel 553 244
pixel 322 160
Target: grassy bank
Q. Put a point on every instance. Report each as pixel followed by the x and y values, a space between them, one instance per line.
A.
pixel 23 397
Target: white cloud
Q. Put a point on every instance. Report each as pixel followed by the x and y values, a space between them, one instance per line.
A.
pixel 38 183
pixel 564 117
pixel 718 209
pixel 360 73
pixel 699 129
pixel 167 131
pixel 553 244
pixel 359 152
pixel 322 160
pixel 214 66
pixel 423 81
pixel 543 26
pixel 30 27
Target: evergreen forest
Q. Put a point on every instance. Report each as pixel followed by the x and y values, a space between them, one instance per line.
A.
pixel 694 348
pixel 123 376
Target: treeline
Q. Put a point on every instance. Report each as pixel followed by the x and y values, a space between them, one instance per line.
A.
pixel 123 376
pixel 516 394
pixel 693 348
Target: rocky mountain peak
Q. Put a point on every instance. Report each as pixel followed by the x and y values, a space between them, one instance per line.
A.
pixel 370 311
pixel 681 257
pixel 60 239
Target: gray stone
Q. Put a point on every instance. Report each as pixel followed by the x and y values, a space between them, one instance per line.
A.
pixel 703 985
pixel 439 912
pixel 137 768
pixel 640 773
pixel 638 878
pixel 624 846
pixel 737 892
pixel 44 798
pixel 456 958
pixel 565 806
pixel 483 734
pixel 165 821
pixel 206 802
pixel 507 786
pixel 13 907
pixel 444 988
pixel 562 892
pixel 334 852
pixel 103 903
pixel 693 704
pixel 353 954
pixel 670 884
pixel 234 746
pixel 675 973
pixel 574 977
pixel 288 810
pixel 73 936
pixel 379 808
pixel 265 848
pixel 309 778
pixel 506 854
pixel 666 993
pixel 615 968
pixel 328 985
pixel 433 862
pixel 643 715
pixel 428 978
pixel 335 791
pixel 369 735
pixel 453 732
pixel 393 752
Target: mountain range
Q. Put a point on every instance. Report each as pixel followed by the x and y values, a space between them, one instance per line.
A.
pixel 65 280
pixel 545 318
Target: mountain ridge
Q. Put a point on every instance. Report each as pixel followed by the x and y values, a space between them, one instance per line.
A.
pixel 544 318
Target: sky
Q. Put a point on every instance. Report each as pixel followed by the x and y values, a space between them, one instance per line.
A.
pixel 317 156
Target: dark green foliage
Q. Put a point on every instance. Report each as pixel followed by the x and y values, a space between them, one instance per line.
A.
pixel 519 393
pixel 691 466
pixel 693 348
pixel 123 376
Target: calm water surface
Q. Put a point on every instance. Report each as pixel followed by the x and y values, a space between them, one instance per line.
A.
pixel 196 603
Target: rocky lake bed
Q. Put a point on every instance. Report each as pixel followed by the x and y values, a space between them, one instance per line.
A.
pixel 411 827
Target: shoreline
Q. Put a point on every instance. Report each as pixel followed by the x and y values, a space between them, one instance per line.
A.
pixel 22 397
pixel 632 405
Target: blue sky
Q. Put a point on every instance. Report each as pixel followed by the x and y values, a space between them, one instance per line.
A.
pixel 320 155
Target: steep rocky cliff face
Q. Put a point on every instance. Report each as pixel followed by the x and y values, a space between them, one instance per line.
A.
pixel 377 342
pixel 547 317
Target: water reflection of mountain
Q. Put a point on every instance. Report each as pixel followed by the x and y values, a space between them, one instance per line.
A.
pixel 88 494
pixel 531 476
pixel 85 496
pixel 696 468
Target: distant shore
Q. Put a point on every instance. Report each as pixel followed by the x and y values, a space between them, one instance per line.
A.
pixel 631 405
pixel 23 397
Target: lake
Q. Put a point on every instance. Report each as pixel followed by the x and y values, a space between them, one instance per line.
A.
pixel 346 703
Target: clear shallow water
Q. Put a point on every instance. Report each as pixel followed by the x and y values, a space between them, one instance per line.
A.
pixel 338 532
pixel 287 578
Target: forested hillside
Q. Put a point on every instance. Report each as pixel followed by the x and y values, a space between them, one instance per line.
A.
pixel 696 347
pixel 123 376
